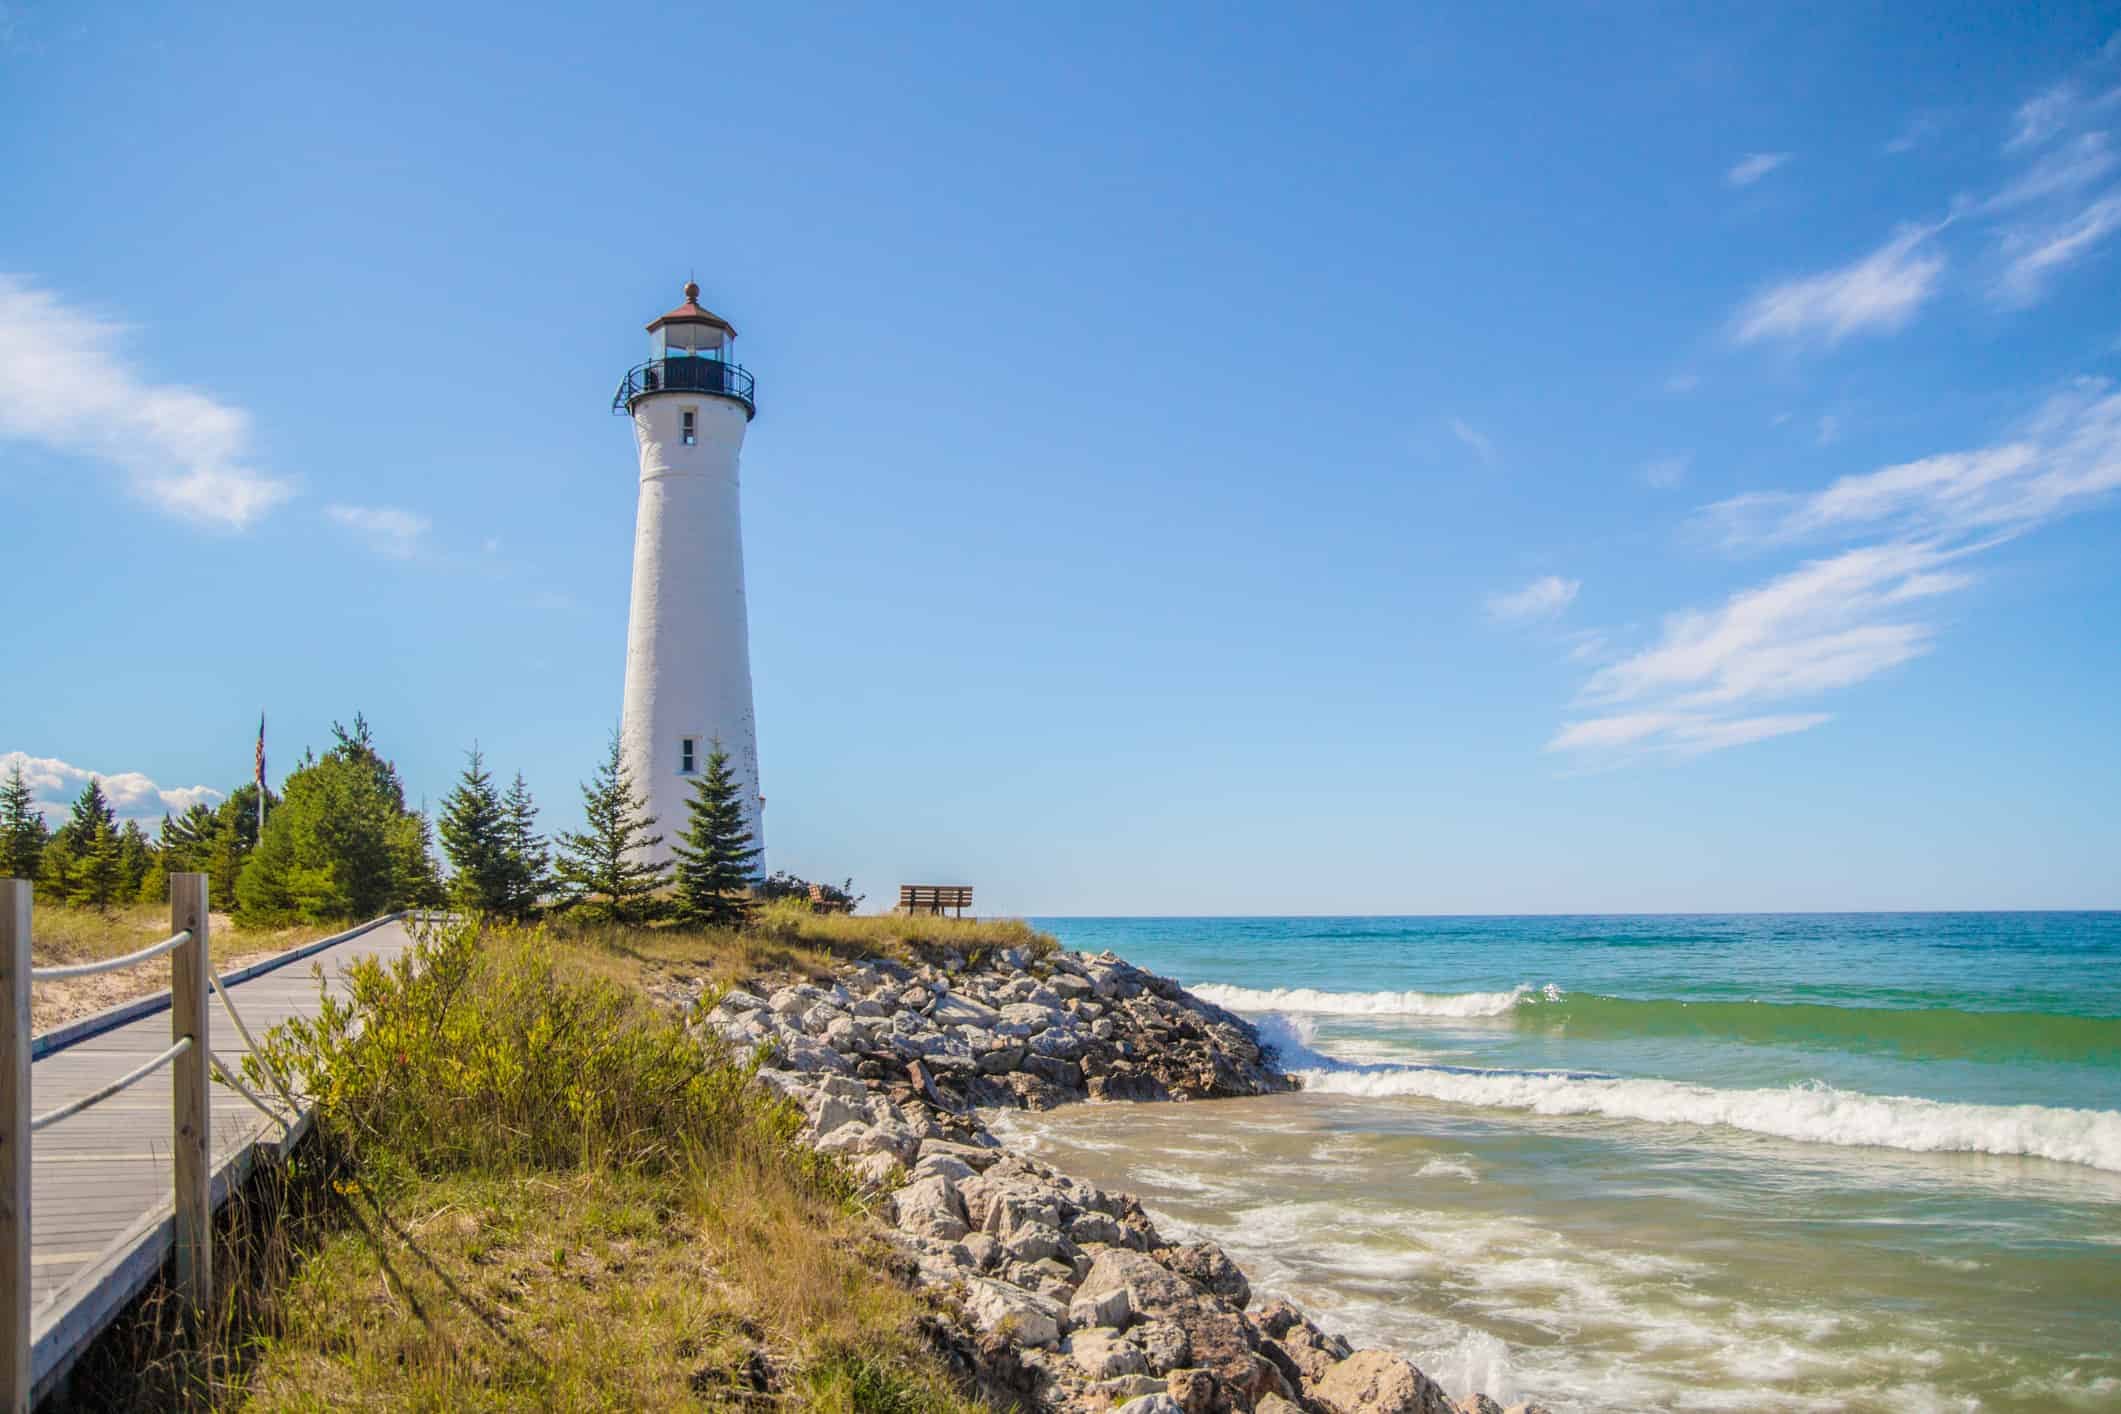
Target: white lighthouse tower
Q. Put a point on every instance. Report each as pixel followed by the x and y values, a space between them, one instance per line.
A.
pixel 688 648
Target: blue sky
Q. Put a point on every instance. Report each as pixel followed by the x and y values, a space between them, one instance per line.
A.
pixel 1217 460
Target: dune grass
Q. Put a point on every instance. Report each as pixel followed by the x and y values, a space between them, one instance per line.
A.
pixel 785 939
pixel 534 1190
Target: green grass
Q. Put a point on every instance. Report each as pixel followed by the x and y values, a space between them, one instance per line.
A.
pixel 534 1191
pixel 784 939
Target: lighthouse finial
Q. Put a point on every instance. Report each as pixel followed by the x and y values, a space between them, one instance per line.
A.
pixel 692 290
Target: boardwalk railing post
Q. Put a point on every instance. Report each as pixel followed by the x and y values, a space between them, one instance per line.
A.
pixel 14 1144
pixel 192 1107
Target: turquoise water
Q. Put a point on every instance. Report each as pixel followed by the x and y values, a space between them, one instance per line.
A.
pixel 1805 1161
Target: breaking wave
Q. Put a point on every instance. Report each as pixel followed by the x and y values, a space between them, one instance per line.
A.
pixel 1307 999
pixel 1812 1112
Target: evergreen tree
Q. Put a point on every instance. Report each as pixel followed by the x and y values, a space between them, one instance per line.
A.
pixel 474 829
pixel 528 859
pixel 136 853
pixel 716 861
pixel 154 884
pixel 56 870
pixel 223 857
pixel 415 882
pixel 604 862
pixel 187 839
pixel 96 884
pixel 340 845
pixel 22 830
pixel 91 809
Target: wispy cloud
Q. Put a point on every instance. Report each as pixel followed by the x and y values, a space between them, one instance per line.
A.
pixel 1663 473
pixel 64 385
pixel 1919 130
pixel 2035 255
pixel 1682 383
pixel 1752 168
pixel 1847 616
pixel 54 784
pixel 2068 168
pixel 1474 439
pixel 389 530
pixel 1543 598
pixel 2042 116
pixel 1877 294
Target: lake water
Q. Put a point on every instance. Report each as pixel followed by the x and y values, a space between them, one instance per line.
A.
pixel 1622 1163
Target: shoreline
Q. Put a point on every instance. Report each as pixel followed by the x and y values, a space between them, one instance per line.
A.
pixel 1053 1294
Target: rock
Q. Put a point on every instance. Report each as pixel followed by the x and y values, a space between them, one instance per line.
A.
pixel 1379 1382
pixel 1032 1242
pixel 1151 1404
pixel 970 1154
pixel 1527 1409
pixel 1475 1402
pixel 1275 1404
pixel 1024 1019
pixel 1194 1391
pixel 1000 1309
pixel 1163 1345
pixel 1211 1269
pixel 929 1207
pixel 954 1010
pixel 985 1252
pixel 1151 1290
pixel 739 1000
pixel 876 1170
pixel 948 1166
pixel 829 1111
pixel 1108 1307
pixel 1000 1059
pixel 1088 1227
pixel 1129 1387
pixel 847 1036
pixel 1101 1355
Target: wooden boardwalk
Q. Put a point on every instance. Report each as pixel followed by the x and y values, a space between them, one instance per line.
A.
pixel 100 1183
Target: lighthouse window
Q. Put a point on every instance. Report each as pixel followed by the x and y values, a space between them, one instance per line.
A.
pixel 688 748
pixel 689 427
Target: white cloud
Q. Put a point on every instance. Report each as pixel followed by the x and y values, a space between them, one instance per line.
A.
pixel 1474 439
pixel 2066 454
pixel 55 783
pixel 1682 383
pixel 2042 116
pixel 1543 598
pixel 1880 293
pixel 1754 167
pixel 2035 255
pixel 389 530
pixel 1829 429
pixel 1664 473
pixel 1920 129
pixel 1850 615
pixel 64 385
pixel 2068 168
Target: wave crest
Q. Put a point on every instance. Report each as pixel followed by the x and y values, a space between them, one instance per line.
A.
pixel 1311 1000
pixel 1812 1112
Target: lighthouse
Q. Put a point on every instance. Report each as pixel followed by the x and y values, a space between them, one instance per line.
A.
pixel 688 646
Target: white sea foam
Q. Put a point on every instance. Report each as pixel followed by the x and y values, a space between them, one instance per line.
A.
pixel 1309 999
pixel 1813 1113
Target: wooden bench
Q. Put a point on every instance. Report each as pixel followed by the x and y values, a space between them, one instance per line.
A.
pixel 820 904
pixel 934 898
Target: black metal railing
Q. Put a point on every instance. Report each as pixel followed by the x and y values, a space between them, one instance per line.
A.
pixel 688 375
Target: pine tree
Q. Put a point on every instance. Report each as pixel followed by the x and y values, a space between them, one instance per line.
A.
pixel 716 861
pixel 528 858
pixel 186 840
pixel 605 861
pixel 91 809
pixel 136 855
pixel 56 870
pixel 415 881
pixel 474 829
pixel 22 830
pixel 102 873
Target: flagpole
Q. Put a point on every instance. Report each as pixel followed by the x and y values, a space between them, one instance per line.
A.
pixel 261 779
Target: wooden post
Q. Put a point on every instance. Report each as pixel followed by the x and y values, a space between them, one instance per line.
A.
pixel 192 1097
pixel 14 1145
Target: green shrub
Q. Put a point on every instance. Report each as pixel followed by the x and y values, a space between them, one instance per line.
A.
pixel 473 1051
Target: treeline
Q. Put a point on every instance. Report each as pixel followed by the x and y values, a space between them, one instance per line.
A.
pixel 341 843
pixel 500 864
